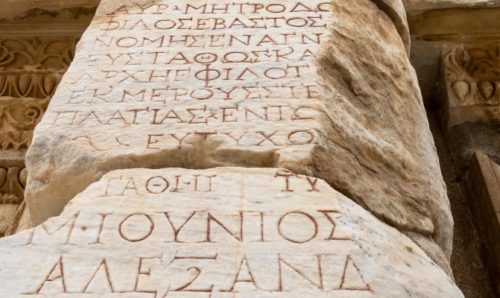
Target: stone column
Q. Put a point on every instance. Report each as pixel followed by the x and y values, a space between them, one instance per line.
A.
pixel 308 122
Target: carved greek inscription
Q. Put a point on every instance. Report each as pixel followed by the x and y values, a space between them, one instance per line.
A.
pixel 55 275
pixel 305 217
pixel 157 185
pixel 171 115
pixel 352 279
pixel 258 138
pixel 189 272
pixel 143 94
pixel 291 180
pixel 187 75
pixel 100 274
pixel 100 228
pixel 213 23
pixel 61 231
pixel 144 271
pixel 190 285
pixel 184 250
pixel 142 221
pixel 153 8
pixel 198 68
pixel 194 227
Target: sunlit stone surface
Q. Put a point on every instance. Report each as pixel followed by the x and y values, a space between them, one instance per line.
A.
pixel 320 88
pixel 223 232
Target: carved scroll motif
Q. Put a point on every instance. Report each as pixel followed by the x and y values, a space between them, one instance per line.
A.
pixel 33 68
pixel 18 118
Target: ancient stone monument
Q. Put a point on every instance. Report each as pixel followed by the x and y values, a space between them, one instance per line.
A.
pixel 218 233
pixel 229 149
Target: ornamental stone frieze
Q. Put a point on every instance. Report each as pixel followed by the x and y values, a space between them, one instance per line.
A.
pixel 30 70
pixel 472 77
pixel 18 118
pixel 33 67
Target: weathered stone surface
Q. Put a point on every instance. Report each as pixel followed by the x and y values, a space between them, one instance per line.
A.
pixel 216 83
pixel 380 135
pixel 225 232
pixel 395 10
pixel 256 97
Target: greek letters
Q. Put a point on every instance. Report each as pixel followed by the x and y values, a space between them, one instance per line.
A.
pixel 216 23
pixel 202 114
pixel 163 95
pixel 259 138
pixel 185 273
pixel 153 8
pixel 239 226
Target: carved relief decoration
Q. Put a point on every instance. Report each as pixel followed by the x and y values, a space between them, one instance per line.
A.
pixel 52 54
pixel 30 70
pixel 18 118
pixel 29 83
pixel 33 68
pixel 473 75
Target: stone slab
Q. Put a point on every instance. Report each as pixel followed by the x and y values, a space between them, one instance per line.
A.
pixel 224 232
pixel 320 88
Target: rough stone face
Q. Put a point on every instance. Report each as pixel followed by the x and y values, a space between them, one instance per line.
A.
pixel 380 135
pixel 224 232
pixel 198 85
pixel 395 10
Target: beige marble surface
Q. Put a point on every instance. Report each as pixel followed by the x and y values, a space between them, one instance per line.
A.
pixel 324 89
pixel 223 232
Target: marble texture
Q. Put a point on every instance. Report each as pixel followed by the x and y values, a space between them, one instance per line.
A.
pixel 222 232
pixel 323 89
